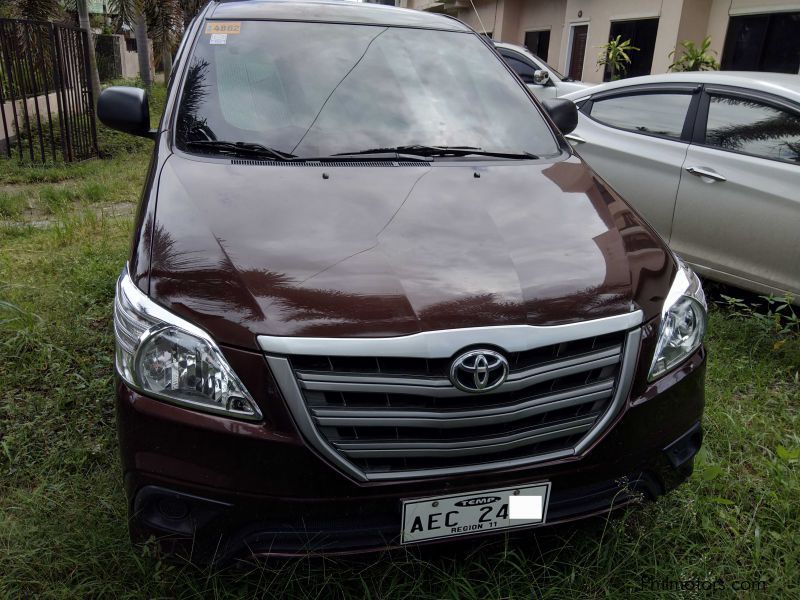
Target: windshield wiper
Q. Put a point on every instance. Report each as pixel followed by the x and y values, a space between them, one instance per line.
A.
pixel 241 149
pixel 430 151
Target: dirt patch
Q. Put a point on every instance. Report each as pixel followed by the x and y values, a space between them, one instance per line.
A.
pixel 35 218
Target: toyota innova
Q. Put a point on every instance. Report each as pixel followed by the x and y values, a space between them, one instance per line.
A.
pixel 375 300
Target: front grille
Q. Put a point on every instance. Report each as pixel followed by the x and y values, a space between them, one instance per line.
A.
pixel 391 416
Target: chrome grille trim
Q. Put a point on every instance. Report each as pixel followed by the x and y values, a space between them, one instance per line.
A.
pixel 469 448
pixel 333 417
pixel 315 423
pixel 446 342
pixel 442 388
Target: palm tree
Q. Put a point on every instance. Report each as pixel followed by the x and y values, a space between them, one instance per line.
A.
pixel 37 10
pixel 94 76
pixel 166 24
pixel 165 20
pixel 133 14
pixel 143 49
pixel 190 8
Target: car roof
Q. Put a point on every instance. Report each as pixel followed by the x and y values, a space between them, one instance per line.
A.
pixel 518 48
pixel 781 84
pixel 333 11
pixel 510 46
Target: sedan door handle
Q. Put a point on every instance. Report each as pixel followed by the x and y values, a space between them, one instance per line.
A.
pixel 706 172
pixel 575 138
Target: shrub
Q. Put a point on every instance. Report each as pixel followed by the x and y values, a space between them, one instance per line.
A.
pixel 695 58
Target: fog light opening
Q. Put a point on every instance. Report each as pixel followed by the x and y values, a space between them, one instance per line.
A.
pixel 683 450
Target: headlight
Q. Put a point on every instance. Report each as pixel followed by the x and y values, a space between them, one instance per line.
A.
pixel 683 322
pixel 166 357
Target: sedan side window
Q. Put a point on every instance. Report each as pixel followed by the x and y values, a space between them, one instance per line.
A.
pixel 653 114
pixel 744 125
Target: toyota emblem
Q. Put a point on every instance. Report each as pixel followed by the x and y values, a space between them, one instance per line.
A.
pixel 479 371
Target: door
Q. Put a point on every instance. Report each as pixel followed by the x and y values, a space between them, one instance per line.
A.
pixel 738 206
pixel 637 140
pixel 577 51
pixel 526 69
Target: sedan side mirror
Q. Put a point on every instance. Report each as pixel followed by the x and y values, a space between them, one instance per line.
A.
pixel 563 112
pixel 541 77
pixel 125 109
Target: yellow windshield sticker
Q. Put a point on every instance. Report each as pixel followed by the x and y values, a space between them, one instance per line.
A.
pixel 228 27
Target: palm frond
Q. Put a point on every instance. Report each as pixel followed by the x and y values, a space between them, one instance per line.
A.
pixel 125 10
pixel 38 10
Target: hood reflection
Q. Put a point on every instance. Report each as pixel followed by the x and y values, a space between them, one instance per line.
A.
pixel 383 251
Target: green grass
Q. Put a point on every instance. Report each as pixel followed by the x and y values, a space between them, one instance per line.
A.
pixel 38 192
pixel 62 510
pixel 12 204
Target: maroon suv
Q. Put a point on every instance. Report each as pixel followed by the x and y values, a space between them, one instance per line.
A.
pixel 375 299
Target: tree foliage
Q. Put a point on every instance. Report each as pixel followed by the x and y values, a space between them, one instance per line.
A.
pixel 166 19
pixel 38 10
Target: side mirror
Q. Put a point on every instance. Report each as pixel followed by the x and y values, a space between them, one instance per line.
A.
pixel 541 77
pixel 125 109
pixel 563 112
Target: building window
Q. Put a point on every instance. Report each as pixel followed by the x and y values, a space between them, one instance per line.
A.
pixel 642 34
pixel 767 42
pixel 538 42
pixel 130 44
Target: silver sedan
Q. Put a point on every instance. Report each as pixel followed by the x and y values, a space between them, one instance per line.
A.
pixel 712 161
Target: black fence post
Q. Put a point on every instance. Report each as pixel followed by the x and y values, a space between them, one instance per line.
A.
pixel 61 97
pixel 39 58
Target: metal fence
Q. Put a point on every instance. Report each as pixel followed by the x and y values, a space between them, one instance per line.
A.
pixel 45 92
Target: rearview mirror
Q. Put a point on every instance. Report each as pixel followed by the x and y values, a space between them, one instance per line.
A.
pixel 541 77
pixel 125 109
pixel 563 112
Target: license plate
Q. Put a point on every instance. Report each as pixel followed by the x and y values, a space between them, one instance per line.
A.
pixel 475 512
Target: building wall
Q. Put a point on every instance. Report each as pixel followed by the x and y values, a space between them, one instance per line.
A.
pixel 694 22
pixel 598 15
pixel 679 20
pixel 487 13
pixel 539 16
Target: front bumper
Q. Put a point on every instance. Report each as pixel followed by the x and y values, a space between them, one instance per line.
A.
pixel 212 488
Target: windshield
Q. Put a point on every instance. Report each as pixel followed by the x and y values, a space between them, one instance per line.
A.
pixel 318 89
pixel 543 63
pixel 550 68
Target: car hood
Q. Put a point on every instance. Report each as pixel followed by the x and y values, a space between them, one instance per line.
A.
pixel 375 249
